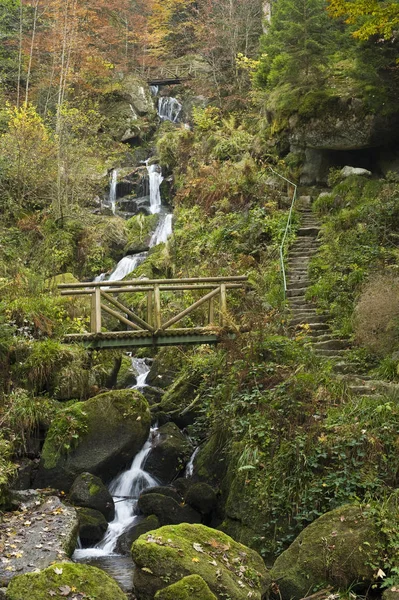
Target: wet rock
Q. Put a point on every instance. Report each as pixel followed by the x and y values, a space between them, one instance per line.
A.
pixel 61 579
pixel 144 525
pixel 112 429
pixel 26 474
pixel 164 491
pixel 167 510
pixel 40 536
pixel 92 526
pixel 165 556
pixel 202 498
pixel 182 485
pixel 176 403
pixel 89 491
pixel 127 375
pixel 153 395
pixel 319 555
pixel 192 587
pixel 169 455
pixel 160 375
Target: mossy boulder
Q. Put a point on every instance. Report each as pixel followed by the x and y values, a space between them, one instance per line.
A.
pixel 90 492
pixel 167 510
pixel 100 436
pixel 178 398
pixel 127 376
pixel 164 491
pixel 169 455
pixel 338 549
pixel 92 526
pixel 192 587
pixel 165 556
pixel 85 581
pixel 132 534
pixel 202 498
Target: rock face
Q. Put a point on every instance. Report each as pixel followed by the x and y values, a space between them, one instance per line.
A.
pixel 192 587
pixel 37 537
pixel 169 455
pixel 60 580
pixel 349 171
pixel 202 498
pixel 113 428
pixel 171 553
pixel 89 491
pixel 337 550
pixel 131 535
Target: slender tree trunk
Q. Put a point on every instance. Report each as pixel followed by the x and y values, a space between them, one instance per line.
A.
pixel 21 14
pixel 32 46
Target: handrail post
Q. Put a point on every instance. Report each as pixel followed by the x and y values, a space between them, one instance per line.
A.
pixel 149 308
pixel 223 304
pixel 211 312
pixel 95 321
pixel 157 301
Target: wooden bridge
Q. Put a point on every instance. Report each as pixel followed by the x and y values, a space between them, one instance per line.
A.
pixel 145 309
pixel 167 75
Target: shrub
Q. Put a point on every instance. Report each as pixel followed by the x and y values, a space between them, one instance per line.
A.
pixel 377 314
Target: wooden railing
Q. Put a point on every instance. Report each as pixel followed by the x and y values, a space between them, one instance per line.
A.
pixel 160 73
pixel 105 299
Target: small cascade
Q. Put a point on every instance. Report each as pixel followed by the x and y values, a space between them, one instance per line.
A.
pixel 190 465
pixel 154 90
pixel 163 231
pixel 169 109
pixel 155 177
pixel 112 190
pixel 142 369
pixel 126 266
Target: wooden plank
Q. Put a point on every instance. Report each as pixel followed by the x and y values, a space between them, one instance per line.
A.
pixel 152 282
pixel 96 312
pixel 135 318
pixel 190 309
pixel 159 341
pixel 157 307
pixel 150 307
pixel 118 316
pixel 163 288
pixel 211 312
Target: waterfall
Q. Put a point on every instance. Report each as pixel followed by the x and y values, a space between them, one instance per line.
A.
pixel 163 231
pixel 125 488
pixel 154 89
pixel 155 176
pixel 169 109
pixel 126 266
pixel 141 368
pixel 190 465
pixel 112 190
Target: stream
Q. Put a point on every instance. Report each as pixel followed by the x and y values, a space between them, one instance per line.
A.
pixel 128 485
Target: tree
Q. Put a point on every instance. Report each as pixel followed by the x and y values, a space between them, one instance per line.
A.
pixel 370 17
pixel 296 44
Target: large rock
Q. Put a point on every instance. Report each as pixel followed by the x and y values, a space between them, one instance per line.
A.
pixel 202 498
pixel 192 587
pixel 34 538
pixel 349 171
pixel 338 549
pixel 167 510
pixel 165 556
pixel 90 492
pixel 169 454
pixel 92 526
pixel 110 430
pixel 133 533
pixel 65 580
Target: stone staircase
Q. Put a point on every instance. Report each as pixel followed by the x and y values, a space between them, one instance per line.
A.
pixel 304 312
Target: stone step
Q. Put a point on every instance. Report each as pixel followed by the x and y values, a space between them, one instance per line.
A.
pixel 334 344
pixel 296 285
pixel 313 231
pixel 331 354
pixel 297 292
pixel 345 367
pixel 305 245
pixel 319 336
pixel 362 390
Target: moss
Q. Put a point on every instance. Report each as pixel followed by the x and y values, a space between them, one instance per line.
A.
pixel 173 552
pixel 88 581
pixel 338 549
pixel 192 587
pixel 94 489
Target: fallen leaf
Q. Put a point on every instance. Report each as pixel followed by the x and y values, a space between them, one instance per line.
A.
pixel 65 590
pixel 195 560
pixel 381 574
pixel 57 571
pixel 198 548
pixel 52 593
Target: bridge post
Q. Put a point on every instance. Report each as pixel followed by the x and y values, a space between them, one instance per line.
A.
pixel 211 313
pixel 149 308
pixel 157 299
pixel 223 305
pixel 95 320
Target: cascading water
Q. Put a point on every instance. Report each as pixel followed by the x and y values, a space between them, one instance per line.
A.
pixel 155 177
pixel 163 231
pixel 190 465
pixel 169 109
pixel 112 190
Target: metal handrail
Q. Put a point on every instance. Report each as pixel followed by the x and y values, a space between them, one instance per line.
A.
pixel 287 229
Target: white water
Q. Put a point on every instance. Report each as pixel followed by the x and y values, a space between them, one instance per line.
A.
pixel 163 231
pixel 129 485
pixel 169 109
pixel 126 266
pixel 112 190
pixel 190 465
pixel 155 177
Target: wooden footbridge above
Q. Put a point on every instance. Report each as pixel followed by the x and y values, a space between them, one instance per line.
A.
pixel 167 75
pixel 151 314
